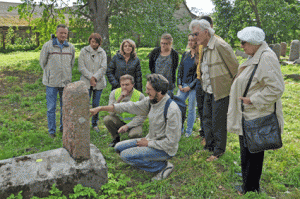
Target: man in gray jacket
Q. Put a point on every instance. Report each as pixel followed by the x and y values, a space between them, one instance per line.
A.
pixel 152 152
pixel 57 60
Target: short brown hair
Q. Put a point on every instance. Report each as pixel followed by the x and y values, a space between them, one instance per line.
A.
pixel 132 44
pixel 167 37
pixel 97 37
pixel 127 76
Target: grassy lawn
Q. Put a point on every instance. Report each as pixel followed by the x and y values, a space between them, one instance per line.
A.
pixel 23 130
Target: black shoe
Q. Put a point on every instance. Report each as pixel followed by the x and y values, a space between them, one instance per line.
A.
pixel 114 142
pixel 52 135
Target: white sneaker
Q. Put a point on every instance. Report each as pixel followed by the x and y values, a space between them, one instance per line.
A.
pixel 164 173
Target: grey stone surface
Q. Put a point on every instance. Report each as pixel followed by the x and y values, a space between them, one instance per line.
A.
pixel 76 133
pixel 283 49
pixel 297 61
pixel 294 50
pixel 277 49
pixel 240 53
pixel 35 177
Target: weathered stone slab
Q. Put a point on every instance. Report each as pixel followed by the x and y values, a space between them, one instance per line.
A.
pixel 76 131
pixel 294 50
pixel 277 49
pixel 35 174
pixel 283 49
pixel 240 53
pixel 297 61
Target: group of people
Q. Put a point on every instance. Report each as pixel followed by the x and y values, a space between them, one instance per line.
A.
pixel 208 73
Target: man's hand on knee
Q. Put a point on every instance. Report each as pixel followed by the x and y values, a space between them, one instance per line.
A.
pixel 142 143
pixel 123 129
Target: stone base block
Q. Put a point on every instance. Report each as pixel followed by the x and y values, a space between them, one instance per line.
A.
pixel 35 174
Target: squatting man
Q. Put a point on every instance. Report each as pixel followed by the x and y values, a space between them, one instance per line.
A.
pixel 152 152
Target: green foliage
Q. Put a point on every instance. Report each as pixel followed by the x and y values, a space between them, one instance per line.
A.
pixel 279 19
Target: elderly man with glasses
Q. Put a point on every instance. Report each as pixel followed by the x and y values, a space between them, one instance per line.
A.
pixel 218 67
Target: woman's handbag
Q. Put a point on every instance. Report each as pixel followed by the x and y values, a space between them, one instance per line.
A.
pixel 262 133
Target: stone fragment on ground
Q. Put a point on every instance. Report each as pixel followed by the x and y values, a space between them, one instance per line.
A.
pixel 35 174
pixel 240 53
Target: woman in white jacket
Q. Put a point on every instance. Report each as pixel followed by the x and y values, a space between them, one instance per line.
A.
pixel 92 64
pixel 265 90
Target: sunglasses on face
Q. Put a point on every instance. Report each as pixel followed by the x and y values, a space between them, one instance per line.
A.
pixel 195 34
pixel 243 42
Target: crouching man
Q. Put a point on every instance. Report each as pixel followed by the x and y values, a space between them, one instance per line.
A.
pixel 124 122
pixel 152 152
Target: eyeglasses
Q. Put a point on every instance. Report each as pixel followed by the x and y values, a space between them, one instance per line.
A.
pixel 243 42
pixel 164 43
pixel 195 34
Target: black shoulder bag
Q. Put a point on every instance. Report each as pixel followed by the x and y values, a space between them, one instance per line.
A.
pixel 262 133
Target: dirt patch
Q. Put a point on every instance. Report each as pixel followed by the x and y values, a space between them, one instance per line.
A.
pixel 22 77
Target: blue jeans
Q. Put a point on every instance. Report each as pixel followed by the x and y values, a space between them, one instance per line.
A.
pixel 95 103
pixel 192 104
pixel 145 158
pixel 51 97
pixel 215 123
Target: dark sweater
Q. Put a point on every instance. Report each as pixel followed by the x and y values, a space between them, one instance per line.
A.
pixel 187 71
pixel 155 54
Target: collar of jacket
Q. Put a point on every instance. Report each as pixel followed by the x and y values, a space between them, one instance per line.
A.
pixel 55 42
pixel 122 57
pixel 211 43
pixel 90 49
pixel 255 59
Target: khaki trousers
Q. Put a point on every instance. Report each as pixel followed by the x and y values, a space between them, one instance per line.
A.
pixel 113 123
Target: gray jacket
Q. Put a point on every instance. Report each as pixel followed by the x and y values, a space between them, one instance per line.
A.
pixel 93 63
pixel 163 134
pixel 57 63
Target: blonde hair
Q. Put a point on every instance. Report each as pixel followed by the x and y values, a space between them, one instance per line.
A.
pixel 132 44
pixel 167 37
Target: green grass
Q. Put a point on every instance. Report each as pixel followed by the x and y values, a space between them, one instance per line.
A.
pixel 23 130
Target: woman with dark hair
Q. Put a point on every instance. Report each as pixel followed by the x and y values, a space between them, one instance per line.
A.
pixel 164 60
pixel 261 100
pixel 125 62
pixel 187 80
pixel 92 64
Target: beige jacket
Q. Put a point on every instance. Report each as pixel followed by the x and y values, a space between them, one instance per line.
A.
pixel 57 63
pixel 163 134
pixel 223 66
pixel 266 88
pixel 93 63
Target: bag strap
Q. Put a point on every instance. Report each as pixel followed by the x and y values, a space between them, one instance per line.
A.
pixel 248 86
pixel 168 102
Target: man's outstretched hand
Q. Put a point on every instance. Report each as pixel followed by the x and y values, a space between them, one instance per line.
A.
pixel 94 111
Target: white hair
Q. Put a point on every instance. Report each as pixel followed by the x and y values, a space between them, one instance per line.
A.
pixel 203 25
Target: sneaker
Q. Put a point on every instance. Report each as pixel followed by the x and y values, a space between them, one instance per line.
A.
pixel 96 129
pixel 187 134
pixel 52 135
pixel 164 173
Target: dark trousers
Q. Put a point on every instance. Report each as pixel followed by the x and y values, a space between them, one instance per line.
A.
pixel 215 123
pixel 200 100
pixel 252 164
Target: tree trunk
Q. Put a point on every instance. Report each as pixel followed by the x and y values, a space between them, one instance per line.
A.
pixel 253 5
pixel 99 16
